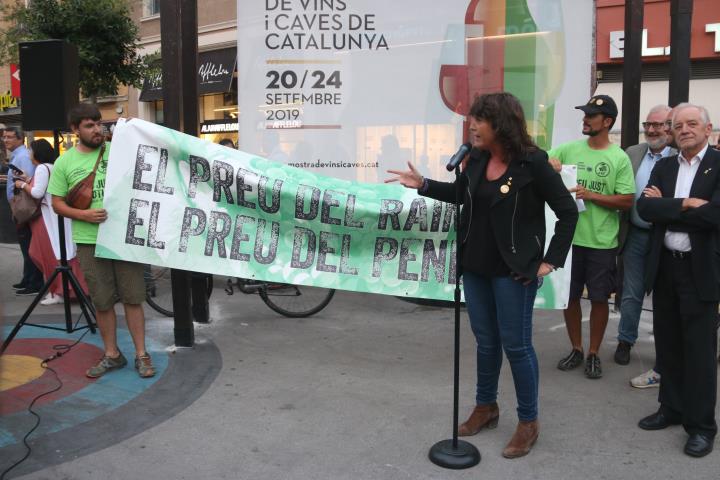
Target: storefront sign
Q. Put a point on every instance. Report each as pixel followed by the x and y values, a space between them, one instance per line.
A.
pixel 215 74
pixel 218 126
pixel 185 203
pixel 8 101
pixel 617 43
pixel 704 31
pixel 14 80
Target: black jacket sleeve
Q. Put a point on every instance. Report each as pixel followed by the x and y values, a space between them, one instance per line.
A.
pixel 669 211
pixel 706 217
pixel 659 210
pixel 443 191
pixel 553 191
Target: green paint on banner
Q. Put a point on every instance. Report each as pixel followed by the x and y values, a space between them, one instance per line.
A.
pixel 181 202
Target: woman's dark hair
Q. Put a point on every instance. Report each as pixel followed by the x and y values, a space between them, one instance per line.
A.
pixel 505 114
pixel 42 151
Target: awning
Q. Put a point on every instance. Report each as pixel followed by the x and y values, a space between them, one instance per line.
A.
pixel 11 116
pixel 215 74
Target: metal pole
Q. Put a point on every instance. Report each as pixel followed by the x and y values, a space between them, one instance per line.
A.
pixel 170 40
pixel 632 72
pixel 189 73
pixel 680 27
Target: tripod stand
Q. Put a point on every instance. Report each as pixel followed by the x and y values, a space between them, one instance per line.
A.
pixel 68 277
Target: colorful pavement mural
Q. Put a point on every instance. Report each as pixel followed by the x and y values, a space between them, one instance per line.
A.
pixel 86 415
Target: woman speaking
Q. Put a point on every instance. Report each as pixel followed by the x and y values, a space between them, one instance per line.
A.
pixel 506 182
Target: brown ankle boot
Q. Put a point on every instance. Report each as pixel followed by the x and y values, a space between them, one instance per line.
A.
pixel 522 441
pixel 483 416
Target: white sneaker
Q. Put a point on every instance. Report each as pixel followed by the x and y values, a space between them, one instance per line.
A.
pixel 51 299
pixel 648 379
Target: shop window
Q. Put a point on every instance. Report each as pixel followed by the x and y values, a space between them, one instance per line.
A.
pixel 159 113
pixel 151 8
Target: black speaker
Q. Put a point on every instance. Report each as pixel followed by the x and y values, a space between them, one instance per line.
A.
pixel 48 83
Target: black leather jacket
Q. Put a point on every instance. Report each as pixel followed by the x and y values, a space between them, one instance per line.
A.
pixel 518 216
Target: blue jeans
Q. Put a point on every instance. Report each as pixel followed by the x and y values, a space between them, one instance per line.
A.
pixel 500 311
pixel 631 304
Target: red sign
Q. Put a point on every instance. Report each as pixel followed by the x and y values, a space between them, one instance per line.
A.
pixel 14 80
pixel 704 34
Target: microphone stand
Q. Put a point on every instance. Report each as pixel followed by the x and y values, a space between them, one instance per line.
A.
pixel 453 453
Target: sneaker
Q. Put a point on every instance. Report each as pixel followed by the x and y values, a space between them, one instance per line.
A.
pixel 622 353
pixel 51 299
pixel 648 379
pixel 105 365
pixel 27 292
pixel 593 367
pixel 571 361
pixel 144 366
pixel 18 286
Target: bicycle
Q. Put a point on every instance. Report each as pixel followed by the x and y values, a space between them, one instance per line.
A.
pixel 294 301
pixel 158 290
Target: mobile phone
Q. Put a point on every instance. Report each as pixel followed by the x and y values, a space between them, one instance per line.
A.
pixel 15 169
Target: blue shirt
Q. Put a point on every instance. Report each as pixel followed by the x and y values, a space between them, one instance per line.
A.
pixel 642 177
pixel 20 157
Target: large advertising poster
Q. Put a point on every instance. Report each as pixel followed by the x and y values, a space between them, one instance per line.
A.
pixel 350 88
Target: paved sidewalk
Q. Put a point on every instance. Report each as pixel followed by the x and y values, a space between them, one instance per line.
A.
pixel 360 391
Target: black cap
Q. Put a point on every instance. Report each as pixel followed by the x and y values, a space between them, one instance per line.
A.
pixel 600 104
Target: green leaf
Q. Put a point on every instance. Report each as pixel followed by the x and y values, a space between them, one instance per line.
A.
pixel 102 30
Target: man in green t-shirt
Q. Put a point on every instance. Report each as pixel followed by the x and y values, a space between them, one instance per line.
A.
pixel 605 186
pixel 108 280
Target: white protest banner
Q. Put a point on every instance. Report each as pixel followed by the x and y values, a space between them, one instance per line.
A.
pixel 177 201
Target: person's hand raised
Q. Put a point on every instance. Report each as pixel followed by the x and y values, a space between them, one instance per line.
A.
pixel 407 178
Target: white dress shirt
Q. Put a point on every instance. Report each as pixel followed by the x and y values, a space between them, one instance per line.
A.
pixel 680 241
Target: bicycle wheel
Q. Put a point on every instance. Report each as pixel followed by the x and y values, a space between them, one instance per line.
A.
pixel 158 291
pixel 295 301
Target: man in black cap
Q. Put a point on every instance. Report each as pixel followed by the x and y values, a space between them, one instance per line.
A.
pixel 605 186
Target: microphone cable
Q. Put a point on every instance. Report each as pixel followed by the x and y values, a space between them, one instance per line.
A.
pixel 60 350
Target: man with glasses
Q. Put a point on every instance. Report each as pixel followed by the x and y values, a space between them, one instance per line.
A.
pixel 651 378
pixel 643 158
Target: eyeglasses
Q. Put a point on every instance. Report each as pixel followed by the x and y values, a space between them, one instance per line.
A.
pixel 655 125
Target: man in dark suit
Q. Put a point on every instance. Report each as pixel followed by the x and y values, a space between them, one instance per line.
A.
pixel 682 201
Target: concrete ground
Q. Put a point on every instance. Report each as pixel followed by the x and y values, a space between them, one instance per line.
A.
pixel 360 391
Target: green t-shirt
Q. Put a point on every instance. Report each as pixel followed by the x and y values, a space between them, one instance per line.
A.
pixel 70 168
pixel 608 172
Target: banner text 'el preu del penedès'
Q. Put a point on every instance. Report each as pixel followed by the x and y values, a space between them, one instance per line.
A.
pixel 181 202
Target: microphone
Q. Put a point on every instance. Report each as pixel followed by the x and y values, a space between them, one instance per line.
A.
pixel 458 157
